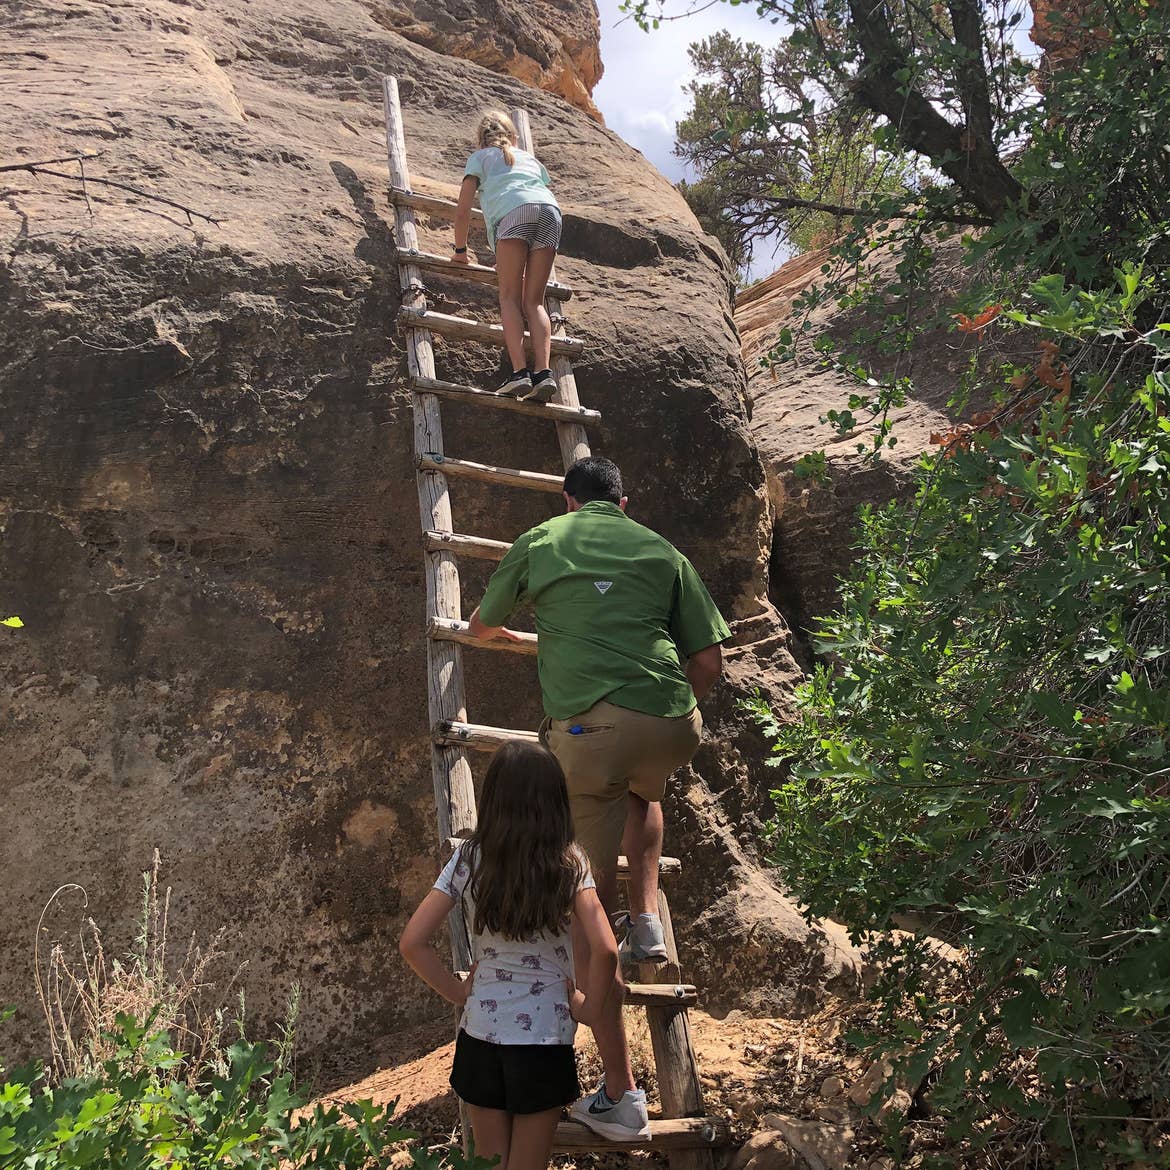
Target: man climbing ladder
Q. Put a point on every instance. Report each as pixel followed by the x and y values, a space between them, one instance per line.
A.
pixel 684 1132
pixel 619 611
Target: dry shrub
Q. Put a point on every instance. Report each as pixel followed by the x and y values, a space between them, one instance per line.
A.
pixel 83 991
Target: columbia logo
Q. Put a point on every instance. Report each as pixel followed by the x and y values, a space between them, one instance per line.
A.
pixel 602 586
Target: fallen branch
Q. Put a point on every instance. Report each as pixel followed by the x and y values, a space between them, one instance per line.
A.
pixel 40 168
pixel 45 162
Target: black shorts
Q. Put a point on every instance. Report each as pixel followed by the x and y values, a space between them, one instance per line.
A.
pixel 515 1078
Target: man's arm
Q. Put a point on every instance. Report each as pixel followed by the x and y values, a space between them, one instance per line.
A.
pixel 505 588
pixel 479 630
pixel 703 670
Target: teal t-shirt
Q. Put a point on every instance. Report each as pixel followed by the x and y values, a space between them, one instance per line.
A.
pixel 503 188
pixel 618 610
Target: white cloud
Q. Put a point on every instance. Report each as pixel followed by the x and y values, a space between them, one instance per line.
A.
pixel 642 91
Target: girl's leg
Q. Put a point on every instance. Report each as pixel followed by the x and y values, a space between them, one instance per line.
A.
pixel 511 256
pixel 532 1139
pixel 536 274
pixel 492 1129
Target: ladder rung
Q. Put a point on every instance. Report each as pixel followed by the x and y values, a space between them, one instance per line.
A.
pixel 467 546
pixel 465 329
pixel 660 994
pixel 667 866
pixel 478 273
pixel 431 204
pixel 678 1133
pixel 450 630
pixel 508 476
pixel 489 398
pixel 478 736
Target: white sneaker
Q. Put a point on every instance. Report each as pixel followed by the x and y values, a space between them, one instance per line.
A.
pixel 624 1122
pixel 644 941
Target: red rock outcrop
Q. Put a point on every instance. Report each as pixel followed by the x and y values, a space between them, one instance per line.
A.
pixel 548 44
pixel 1067 30
pixel 816 524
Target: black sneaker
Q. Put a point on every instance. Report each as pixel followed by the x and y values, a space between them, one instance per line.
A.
pixel 517 383
pixel 544 386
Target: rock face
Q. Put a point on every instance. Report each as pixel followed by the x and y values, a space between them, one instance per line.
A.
pixel 547 44
pixel 816 526
pixel 207 497
pixel 1066 31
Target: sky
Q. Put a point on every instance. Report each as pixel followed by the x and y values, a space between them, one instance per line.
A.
pixel 641 92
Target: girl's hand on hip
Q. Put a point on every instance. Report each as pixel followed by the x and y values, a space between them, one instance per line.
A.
pixel 578 1008
pixel 464 990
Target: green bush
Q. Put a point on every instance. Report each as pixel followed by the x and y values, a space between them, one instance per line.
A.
pixel 984 756
pixel 135 1111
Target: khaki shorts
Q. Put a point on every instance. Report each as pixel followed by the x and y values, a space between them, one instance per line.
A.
pixel 617 752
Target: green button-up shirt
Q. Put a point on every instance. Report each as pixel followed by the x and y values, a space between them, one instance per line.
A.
pixel 618 609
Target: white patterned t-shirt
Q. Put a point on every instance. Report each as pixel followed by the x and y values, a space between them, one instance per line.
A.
pixel 520 995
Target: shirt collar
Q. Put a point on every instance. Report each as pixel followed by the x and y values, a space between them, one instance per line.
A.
pixel 601 506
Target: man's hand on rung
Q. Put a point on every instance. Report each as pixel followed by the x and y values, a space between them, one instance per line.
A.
pixel 479 630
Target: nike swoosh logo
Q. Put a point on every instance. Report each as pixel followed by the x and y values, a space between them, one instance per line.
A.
pixel 597 1112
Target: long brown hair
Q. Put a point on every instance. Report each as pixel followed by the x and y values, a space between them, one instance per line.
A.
pixel 526 868
pixel 497 129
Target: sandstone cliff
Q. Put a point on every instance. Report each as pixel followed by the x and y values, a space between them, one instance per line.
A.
pixel 207 496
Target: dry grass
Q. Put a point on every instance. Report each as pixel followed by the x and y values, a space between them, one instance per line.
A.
pixel 83 991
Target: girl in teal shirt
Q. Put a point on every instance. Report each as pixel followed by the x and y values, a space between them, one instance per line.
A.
pixel 524 228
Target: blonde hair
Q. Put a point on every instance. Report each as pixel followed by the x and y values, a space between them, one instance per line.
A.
pixel 497 129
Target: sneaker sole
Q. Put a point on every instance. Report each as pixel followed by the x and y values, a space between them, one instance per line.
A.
pixel 511 391
pixel 626 954
pixel 541 393
pixel 606 1129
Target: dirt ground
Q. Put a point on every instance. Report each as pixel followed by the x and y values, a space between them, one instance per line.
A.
pixel 750 1067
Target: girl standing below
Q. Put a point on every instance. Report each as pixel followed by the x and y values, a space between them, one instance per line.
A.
pixel 520 878
pixel 524 228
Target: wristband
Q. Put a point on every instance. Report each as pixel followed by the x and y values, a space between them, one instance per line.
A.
pixel 460 251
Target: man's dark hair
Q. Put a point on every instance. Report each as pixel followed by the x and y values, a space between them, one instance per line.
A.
pixel 592 478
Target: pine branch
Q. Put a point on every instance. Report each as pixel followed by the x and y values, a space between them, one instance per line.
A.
pixel 786 203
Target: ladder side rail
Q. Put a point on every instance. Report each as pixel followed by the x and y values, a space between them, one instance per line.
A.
pixel 446 699
pixel 678 1078
pixel 571 436
pixel 679 1088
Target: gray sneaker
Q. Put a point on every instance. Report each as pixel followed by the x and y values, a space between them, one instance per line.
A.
pixel 644 941
pixel 624 1122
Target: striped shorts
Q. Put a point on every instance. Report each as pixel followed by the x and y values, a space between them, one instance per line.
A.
pixel 537 224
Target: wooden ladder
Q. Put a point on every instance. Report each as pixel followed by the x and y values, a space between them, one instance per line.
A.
pixel 684 1132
